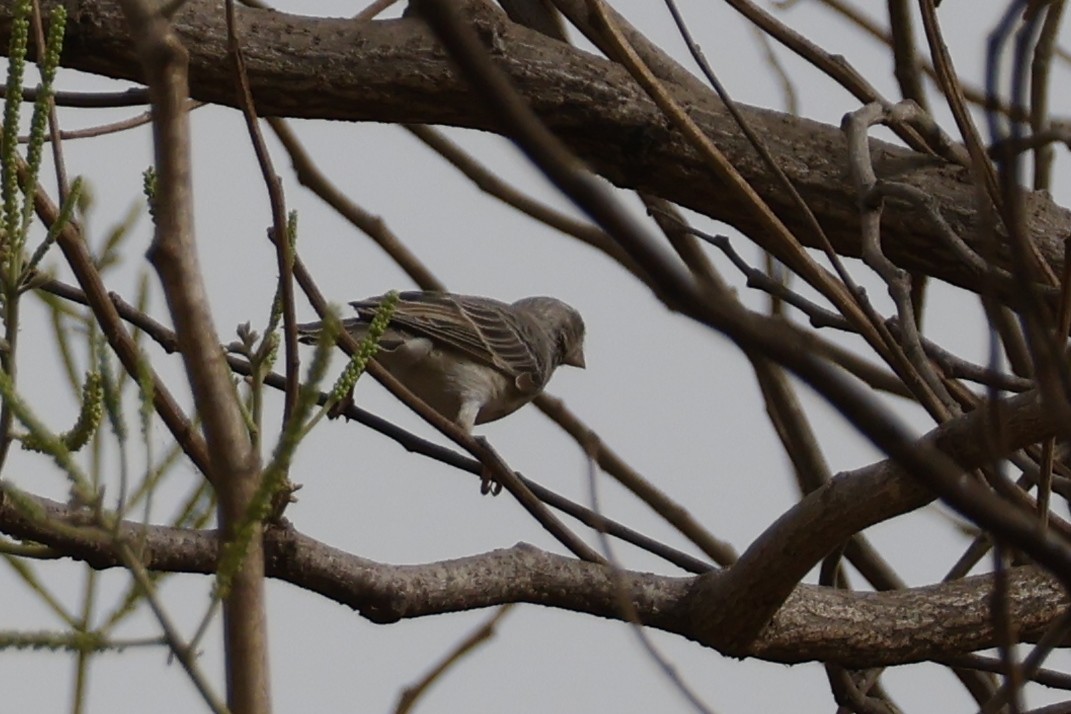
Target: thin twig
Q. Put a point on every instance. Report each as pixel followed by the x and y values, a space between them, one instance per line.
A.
pixel 284 255
pixel 411 694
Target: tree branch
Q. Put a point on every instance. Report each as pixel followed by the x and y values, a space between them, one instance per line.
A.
pixel 233 463
pixel 394 71
pixel 855 630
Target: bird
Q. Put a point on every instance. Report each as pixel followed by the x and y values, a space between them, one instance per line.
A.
pixel 472 359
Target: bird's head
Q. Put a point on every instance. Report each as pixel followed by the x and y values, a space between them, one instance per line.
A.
pixel 563 324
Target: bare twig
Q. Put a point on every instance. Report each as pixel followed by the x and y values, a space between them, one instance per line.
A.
pixel 284 251
pixel 470 642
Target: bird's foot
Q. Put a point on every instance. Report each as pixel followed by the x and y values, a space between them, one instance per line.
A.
pixel 488 483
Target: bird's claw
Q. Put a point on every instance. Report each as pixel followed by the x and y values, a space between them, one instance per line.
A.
pixel 488 483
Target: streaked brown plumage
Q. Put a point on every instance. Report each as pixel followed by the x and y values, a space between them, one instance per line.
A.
pixel 473 359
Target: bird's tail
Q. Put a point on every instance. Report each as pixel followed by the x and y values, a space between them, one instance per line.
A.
pixel 309 332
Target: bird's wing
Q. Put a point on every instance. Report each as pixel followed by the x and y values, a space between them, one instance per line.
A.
pixel 486 330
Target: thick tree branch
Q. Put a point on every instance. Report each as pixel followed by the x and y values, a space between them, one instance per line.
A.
pixel 855 630
pixel 394 71
pixel 742 599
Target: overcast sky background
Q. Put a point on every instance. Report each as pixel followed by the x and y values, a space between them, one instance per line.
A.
pixel 676 401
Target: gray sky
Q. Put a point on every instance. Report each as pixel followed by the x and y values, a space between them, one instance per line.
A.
pixel 678 402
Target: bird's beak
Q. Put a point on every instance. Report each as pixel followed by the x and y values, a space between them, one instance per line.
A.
pixel 575 359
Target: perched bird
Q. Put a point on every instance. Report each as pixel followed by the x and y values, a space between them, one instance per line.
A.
pixel 472 359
